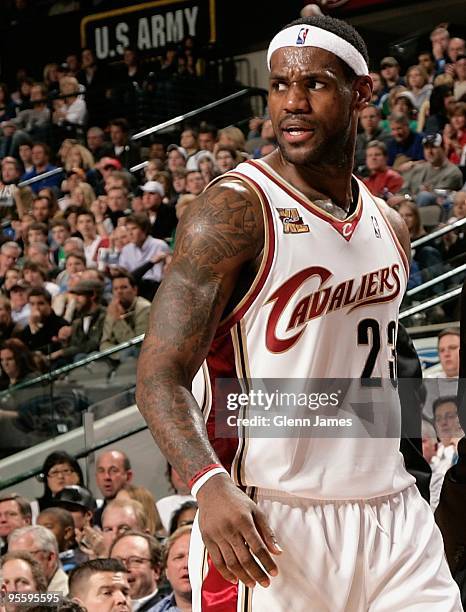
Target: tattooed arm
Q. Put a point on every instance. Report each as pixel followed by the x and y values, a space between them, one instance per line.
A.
pixel 220 233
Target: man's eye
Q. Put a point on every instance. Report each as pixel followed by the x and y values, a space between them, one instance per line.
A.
pixel 315 85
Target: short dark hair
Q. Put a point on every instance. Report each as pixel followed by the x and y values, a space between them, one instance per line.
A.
pixel 122 123
pixel 23 504
pixel 29 264
pixel 40 227
pixel 77 255
pixel 87 213
pixel 120 273
pixel 339 28
pixel 155 549
pixel 449 331
pixel 188 505
pixel 61 223
pixel 141 220
pixel 446 399
pixel 45 148
pixel 81 574
pixel 40 292
pixel 208 128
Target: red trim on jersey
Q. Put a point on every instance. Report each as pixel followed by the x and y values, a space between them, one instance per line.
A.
pixel 396 241
pixel 240 310
pixel 217 594
pixel 345 228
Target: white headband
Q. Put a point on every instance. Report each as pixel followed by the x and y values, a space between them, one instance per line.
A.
pixel 310 36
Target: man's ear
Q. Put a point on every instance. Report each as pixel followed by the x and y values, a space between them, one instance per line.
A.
pixel 362 92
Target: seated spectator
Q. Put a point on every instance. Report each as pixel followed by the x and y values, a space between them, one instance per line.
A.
pixel 86 226
pixel 75 263
pixel 167 506
pixel 195 182
pixel 59 470
pixel 144 497
pixel 390 72
pixel 176 158
pixel 17 362
pixel 207 137
pixel 96 143
pixel 417 81
pixel 127 314
pixel 184 515
pixel 42 209
pixel 80 503
pixel 42 545
pixel 189 142
pixel 441 103
pixel 12 276
pixel 161 216
pixel 39 252
pixel 71 109
pixel 42 330
pixel 9 255
pixel 101 584
pixel 41 161
pixel 118 207
pixel 140 250
pixel 226 158
pixel 86 329
pixel 21 573
pixel 176 570
pixel 122 149
pixel 233 137
pixel 449 432
pixel 12 139
pixel 404 141
pixel 179 184
pixel 435 173
pixel 61 231
pixel 35 121
pixel 382 180
pixel 141 554
pixel 459 88
pixel 120 516
pixel 8 327
pixel 378 87
pixel 109 258
pixel 454 133
pixel 15 512
pixel 10 195
pixel 36 276
pixel 61 524
pixel 113 471
pixel 20 307
pixel 369 120
pixel 37 232
pixel 207 166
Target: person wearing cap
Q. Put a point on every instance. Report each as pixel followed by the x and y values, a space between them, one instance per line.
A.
pixel 80 503
pixel 435 173
pixel 162 217
pixel 86 329
pixel 176 157
pixel 390 71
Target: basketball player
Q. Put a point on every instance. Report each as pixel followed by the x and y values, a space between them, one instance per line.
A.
pixel 287 266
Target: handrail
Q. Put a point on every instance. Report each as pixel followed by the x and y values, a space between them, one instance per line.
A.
pixel 435 281
pixel 440 232
pixel 40 177
pixel 440 299
pixel 197 111
pixel 14 480
pixel 49 376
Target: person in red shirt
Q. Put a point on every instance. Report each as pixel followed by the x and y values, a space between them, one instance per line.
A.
pixel 382 181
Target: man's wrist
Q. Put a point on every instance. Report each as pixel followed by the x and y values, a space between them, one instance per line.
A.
pixel 211 484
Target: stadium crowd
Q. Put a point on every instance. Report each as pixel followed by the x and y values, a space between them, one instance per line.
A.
pixel 82 255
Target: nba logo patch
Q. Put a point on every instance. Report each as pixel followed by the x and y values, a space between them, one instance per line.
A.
pixel 292 221
pixel 302 35
pixel 376 227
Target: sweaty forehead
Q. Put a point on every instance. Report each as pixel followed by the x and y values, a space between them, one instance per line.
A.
pixel 305 60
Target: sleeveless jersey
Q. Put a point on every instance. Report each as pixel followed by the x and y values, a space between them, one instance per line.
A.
pixel 324 305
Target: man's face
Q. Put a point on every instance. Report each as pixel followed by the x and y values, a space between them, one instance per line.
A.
pixel 426 62
pixel 390 73
pixel 455 48
pixel 8 257
pixel 309 104
pixel 118 520
pixel 375 160
pixel 83 303
pixel 35 235
pixel 94 140
pixel 124 292
pixel 117 136
pixel 447 423
pixel 111 474
pixel 39 304
pixel 206 141
pixel 135 233
pixel 434 155
pixel 10 517
pixel 5 317
pixel 120 237
pixel 151 201
pixel 9 172
pixel 41 210
pixel 177 566
pixel 18 298
pixel 369 119
pixel 47 519
pixel 179 183
pixel 400 131
pixel 194 183
pixel 440 38
pixel 133 552
pixel 449 354
pixel 17 577
pixel 39 157
pixel 60 234
pixel 188 140
pixel 116 200
pixel 86 226
pixel 106 592
pixel 87 58
pixel 47 559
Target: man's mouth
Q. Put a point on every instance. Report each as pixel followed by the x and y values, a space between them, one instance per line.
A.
pixel 297 133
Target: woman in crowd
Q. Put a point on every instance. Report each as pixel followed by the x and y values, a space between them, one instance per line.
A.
pixel 417 81
pixel 59 470
pixel 184 515
pixel 17 362
pixel 144 497
pixel 454 133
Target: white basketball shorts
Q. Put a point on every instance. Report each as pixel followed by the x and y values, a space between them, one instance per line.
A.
pixel 380 555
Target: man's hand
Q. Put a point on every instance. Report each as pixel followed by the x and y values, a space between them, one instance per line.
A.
pixel 115 310
pixel 235 531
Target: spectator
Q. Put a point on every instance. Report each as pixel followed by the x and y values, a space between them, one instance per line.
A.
pixel 232 137
pixel 418 84
pixel 61 231
pixel 59 470
pixel 176 571
pixel 42 209
pixel 426 60
pixel 7 106
pixel 454 134
pixel 168 505
pixel 382 181
pixel 390 71
pixel 17 362
pixel 20 307
pixel 184 515
pixel 36 276
pixel 179 183
pixel 12 139
pixel 189 142
pixel 86 226
pixel 378 87
pixel 207 137
pixel 459 88
pixel 41 332
pixel 369 119
pixel 449 431
pixel 61 524
pixel 42 545
pixel 71 109
pixel 95 81
pixel 194 182
pixel 96 143
pixel 435 173
pixel 144 497
pixel 176 157
pixel 12 276
pixel 226 158
pixel 9 255
pixel 80 503
pixel 207 166
pixel 35 120
pixel 41 162
pixel 113 470
pixel 86 329
pixel 102 585
pixel 404 142
pixel 439 38
pixel 441 104
pixel 161 216
pixel 21 573
pixel 456 47
pixel 15 512
pixel 118 517
pixel 8 327
pixel 39 252
pixel 140 249
pixel 122 149
pixel 9 193
pixel 127 314
pixel 141 554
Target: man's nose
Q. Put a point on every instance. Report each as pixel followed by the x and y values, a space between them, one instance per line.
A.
pixel 297 99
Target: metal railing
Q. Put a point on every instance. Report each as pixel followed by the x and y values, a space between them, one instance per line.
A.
pixel 249 91
pixel 40 177
pixel 435 281
pixel 440 299
pixel 440 232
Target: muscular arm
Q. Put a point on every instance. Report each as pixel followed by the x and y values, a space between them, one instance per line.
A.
pixel 220 232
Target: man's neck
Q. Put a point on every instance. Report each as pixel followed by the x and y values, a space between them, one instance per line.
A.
pixel 88 240
pixel 41 168
pixel 140 244
pixel 183 600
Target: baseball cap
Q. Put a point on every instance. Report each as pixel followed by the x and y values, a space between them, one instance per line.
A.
pixel 74 495
pixel 408 95
pixel 180 150
pixel 87 287
pixel 153 187
pixel 389 61
pixel 433 140
pixel 110 161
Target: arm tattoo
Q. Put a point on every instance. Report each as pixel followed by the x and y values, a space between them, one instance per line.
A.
pixel 220 232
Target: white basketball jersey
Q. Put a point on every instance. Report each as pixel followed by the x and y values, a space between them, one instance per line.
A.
pixel 324 305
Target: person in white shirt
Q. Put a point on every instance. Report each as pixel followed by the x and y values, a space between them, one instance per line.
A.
pixel 445 382
pixel 86 226
pixel 72 109
pixel 141 554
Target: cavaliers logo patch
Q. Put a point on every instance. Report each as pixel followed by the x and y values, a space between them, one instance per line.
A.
pixel 292 222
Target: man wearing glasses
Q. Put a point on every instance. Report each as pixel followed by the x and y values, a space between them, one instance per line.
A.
pixel 141 554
